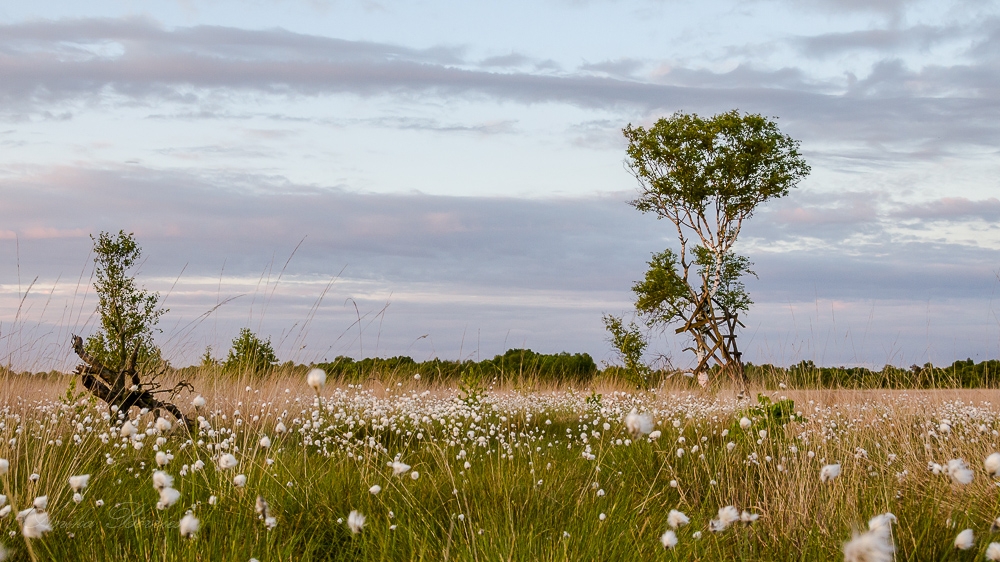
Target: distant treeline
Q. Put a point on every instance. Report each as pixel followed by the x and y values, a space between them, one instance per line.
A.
pixel 515 364
pixel 524 365
pixel 805 374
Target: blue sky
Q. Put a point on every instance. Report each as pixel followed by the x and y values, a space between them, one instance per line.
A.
pixel 455 169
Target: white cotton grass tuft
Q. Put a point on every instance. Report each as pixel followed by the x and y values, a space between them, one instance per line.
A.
pixel 4 466
pixel 356 521
pixel 240 480
pixel 676 519
pixel 162 480
pixel 869 547
pixel 78 483
pixel 965 540
pixel 829 472
pixel 41 502
pixel 162 459
pixel 882 525
pixel 748 517
pixel 198 402
pixel 745 423
pixel 727 516
pixel 959 472
pixel 264 442
pixel 375 489
pixel 993 551
pixel 655 435
pixel 168 497
pixel 638 424
pixel 992 464
pixel 668 539
pixel 35 524
pixel 316 379
pixel 128 430
pixel 163 424
pixel 399 468
pixel 227 461
pixel 189 525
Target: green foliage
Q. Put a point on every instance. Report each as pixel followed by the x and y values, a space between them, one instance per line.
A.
pixel 129 314
pixel 249 354
pixel 513 365
pixel 207 360
pixel 594 400
pixel 772 416
pixel 706 176
pixel 629 342
pixel 806 374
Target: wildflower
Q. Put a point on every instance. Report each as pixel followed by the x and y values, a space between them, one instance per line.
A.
pixel 260 506
pixel 869 547
pixel 227 461
pixel 4 466
pixel 168 497
pixel 161 458
pixel 696 535
pixel 727 516
pixel 414 475
pixel 399 468
pixel 762 433
pixel 78 483
pixel 198 402
pixel 680 452
pixel 964 540
pixel 77 497
pixel 316 379
pixel 35 524
pixel 99 503
pixel 637 424
pixel 730 446
pixel 198 465
pixel 189 525
pixel 654 435
pixel 992 464
pixel 280 428
pixel 212 500
pixel 128 430
pixel 748 517
pixel 668 539
pixel 41 502
pixel 416 377
pixel 270 523
pixel 239 481
pixel 162 480
pixel 356 522
pixel 677 519
pixel 602 517
pixel 375 489
pixel 829 472
pixel 744 423
pixel 882 524
pixel 959 471
pixel 34 477
pixel 163 424
pixel 993 551
pixel 265 442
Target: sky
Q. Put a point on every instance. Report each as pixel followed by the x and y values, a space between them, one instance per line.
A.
pixel 447 179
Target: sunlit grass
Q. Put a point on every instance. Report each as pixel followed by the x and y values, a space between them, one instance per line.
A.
pixel 522 475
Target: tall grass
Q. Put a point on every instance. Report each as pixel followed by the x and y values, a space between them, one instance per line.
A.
pixel 531 491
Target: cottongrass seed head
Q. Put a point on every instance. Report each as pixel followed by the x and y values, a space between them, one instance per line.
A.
pixel 316 379
pixel 676 519
pixel 869 547
pixel 727 516
pixel 35 524
pixel 829 472
pixel 668 539
pixel 356 521
pixel 992 464
pixel 638 424
pixel 189 525
pixel 960 473
pixel 78 483
pixel 993 551
pixel 964 540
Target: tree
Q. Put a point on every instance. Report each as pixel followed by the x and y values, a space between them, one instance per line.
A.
pixel 706 176
pixel 128 319
pixel 249 353
pixel 129 314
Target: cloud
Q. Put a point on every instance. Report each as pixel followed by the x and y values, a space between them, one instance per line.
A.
pixel 919 37
pixel 951 209
pixel 894 111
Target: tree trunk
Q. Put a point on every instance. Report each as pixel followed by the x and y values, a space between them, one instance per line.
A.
pixel 110 386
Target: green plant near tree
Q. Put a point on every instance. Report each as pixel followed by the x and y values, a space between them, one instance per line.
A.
pixel 129 313
pixel 250 354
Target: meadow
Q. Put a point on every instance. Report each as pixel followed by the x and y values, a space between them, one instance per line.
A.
pixel 511 472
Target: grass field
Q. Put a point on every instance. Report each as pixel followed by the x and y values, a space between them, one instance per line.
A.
pixel 540 474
